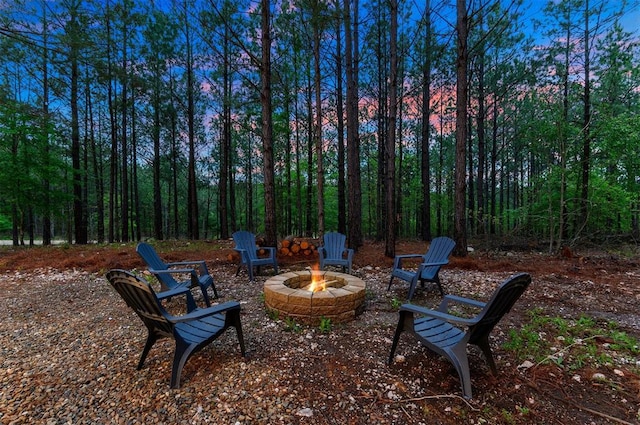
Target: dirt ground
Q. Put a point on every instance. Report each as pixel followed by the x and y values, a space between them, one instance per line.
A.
pixel 418 387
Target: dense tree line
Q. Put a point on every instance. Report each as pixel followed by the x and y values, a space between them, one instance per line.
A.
pixel 126 119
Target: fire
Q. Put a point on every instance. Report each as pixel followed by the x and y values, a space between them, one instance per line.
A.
pixel 318 283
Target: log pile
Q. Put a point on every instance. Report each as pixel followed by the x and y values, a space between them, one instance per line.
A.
pixel 300 247
pixel 289 247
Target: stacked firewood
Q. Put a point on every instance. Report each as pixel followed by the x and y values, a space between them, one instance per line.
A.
pixel 291 247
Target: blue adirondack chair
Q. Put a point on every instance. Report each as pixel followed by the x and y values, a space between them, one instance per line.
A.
pixel 248 249
pixel 165 272
pixel 449 335
pixel 428 271
pixel 191 331
pixel 334 252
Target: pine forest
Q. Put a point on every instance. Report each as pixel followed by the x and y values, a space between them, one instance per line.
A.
pixel 122 120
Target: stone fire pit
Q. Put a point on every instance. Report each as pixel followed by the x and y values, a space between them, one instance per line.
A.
pixel 341 301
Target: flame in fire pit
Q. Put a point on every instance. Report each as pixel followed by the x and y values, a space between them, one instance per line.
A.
pixel 318 283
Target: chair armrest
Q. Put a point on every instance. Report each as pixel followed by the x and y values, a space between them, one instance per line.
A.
pixel 193 276
pixel 450 318
pixel 270 249
pixel 173 271
pixel 440 263
pixel 350 253
pixel 244 255
pixel 460 300
pixel 397 262
pixel 179 290
pixel 199 313
pixel 202 265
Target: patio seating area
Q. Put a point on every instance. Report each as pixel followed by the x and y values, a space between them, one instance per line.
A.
pixel 73 358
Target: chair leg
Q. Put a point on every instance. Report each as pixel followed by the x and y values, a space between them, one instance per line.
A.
pixel 412 287
pixel 151 339
pixel 488 355
pixel 191 302
pixel 458 357
pixel 390 282
pixel 437 281
pixel 206 296
pixel 179 359
pixel 234 320
pixel 405 321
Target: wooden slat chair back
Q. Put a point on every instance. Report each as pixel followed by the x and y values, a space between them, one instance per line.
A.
pixel 191 332
pixel 247 248
pixel 334 252
pixel 429 270
pixel 449 335
pixel 197 270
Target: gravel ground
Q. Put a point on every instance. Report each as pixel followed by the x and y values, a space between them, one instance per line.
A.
pixel 70 347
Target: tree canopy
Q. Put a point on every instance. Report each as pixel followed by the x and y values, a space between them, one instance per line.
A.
pixel 127 119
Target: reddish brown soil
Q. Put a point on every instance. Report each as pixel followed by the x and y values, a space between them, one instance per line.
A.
pixel 97 258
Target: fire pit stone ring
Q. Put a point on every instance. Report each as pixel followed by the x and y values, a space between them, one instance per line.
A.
pixel 288 295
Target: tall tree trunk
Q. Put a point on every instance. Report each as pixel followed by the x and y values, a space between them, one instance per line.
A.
pixel 225 143
pixel 288 175
pixel 174 170
pixel 460 219
pixel 124 172
pixel 342 210
pixel 406 221
pixel 311 127
pixel 98 172
pixel 354 234
pixel 470 189
pixel 425 166
pixel 563 231
pixel 16 222
pixel 298 144
pixel 318 125
pixel 270 223
pixel 46 184
pixel 113 159
pixel 80 228
pixel 157 191
pixel 390 157
pixel 382 118
pixel 193 228
pixel 586 126
pixel 481 138
pixel 135 194
pixel 492 174
pixel 439 227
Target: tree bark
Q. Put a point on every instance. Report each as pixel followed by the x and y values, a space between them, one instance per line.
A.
pixel 193 228
pixel 354 234
pixel 79 222
pixel 390 157
pixel 425 168
pixel 270 223
pixel 460 217
pixel 342 210
pixel 318 125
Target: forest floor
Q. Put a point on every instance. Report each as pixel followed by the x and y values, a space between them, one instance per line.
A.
pixel 566 353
